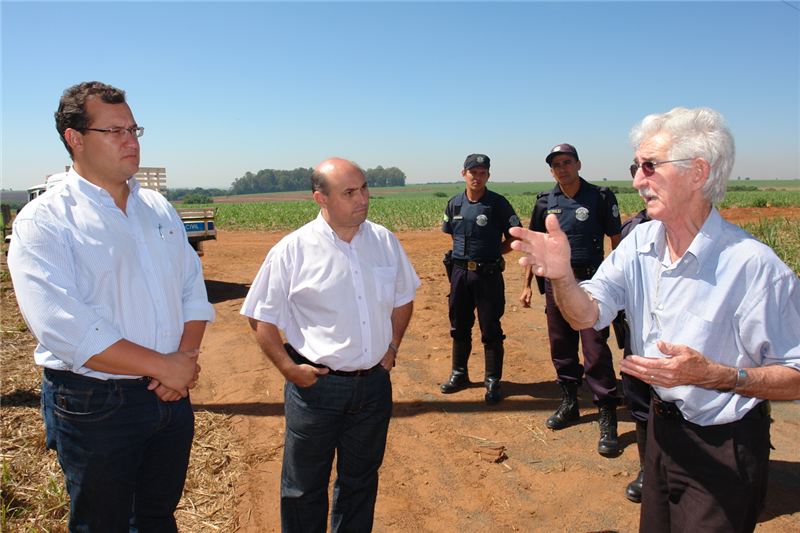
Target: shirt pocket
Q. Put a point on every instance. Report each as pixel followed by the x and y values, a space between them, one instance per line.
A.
pixel 174 249
pixel 385 282
pixel 712 339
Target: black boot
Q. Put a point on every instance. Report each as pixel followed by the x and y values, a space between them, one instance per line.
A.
pixel 609 442
pixel 494 371
pixel 634 489
pixel 459 378
pixel 568 410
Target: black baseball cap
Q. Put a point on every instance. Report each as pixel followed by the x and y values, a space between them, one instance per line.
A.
pixel 562 149
pixel 476 160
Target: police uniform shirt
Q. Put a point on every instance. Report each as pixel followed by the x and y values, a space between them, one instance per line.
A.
pixel 585 218
pixel 478 227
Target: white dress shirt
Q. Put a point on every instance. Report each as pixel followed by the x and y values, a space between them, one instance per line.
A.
pixel 333 299
pixel 86 275
pixel 729 297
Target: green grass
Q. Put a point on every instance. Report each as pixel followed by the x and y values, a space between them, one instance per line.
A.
pixel 424 209
pixel 780 234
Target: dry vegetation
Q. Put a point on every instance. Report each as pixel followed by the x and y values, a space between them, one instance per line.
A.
pixel 33 494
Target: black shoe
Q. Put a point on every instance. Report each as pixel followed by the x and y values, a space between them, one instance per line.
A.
pixel 493 392
pixel 609 442
pixel 458 381
pixel 568 410
pixel 634 490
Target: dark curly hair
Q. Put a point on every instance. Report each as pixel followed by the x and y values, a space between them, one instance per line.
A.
pixel 72 106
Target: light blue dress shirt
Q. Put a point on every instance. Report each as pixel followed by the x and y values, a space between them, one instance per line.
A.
pixel 729 297
pixel 86 275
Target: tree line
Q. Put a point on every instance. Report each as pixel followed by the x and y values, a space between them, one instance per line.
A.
pixel 270 180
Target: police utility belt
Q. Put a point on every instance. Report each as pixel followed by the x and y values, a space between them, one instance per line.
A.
pixel 481 268
pixel 584 271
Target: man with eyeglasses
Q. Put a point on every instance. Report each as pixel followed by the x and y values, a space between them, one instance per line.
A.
pixel 587 213
pixel 109 285
pixel 713 316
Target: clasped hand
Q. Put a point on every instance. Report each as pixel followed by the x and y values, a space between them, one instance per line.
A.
pixel 180 374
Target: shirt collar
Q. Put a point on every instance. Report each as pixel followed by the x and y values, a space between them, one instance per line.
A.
pixel 98 194
pixel 701 246
pixel 583 183
pixel 706 239
pixel 321 225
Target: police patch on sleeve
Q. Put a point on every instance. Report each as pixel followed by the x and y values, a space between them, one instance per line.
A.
pixel 615 211
pixel 582 214
pixel 482 220
pixel 446 218
pixel 514 221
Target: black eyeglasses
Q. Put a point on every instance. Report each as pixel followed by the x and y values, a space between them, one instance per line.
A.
pixel 649 167
pixel 119 133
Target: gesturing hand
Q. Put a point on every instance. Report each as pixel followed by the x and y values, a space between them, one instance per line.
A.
pixel 548 254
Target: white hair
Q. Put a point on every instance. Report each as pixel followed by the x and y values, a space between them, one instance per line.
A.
pixel 694 133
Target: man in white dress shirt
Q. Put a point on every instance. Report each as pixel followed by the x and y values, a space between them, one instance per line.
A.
pixel 341 289
pixel 114 293
pixel 713 317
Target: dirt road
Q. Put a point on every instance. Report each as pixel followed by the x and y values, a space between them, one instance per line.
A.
pixel 432 478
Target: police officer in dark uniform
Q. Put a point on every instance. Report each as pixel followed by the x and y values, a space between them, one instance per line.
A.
pixel 478 220
pixel 586 213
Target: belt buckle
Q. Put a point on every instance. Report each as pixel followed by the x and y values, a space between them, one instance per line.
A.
pixel 472 265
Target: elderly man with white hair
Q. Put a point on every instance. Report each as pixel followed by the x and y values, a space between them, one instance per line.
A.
pixel 715 323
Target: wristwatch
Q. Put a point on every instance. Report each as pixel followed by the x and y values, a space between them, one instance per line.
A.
pixel 393 347
pixel 741 381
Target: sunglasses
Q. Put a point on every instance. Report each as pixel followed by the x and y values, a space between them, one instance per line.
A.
pixel 649 167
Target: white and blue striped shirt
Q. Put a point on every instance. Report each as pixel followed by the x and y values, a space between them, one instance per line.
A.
pixel 729 297
pixel 86 275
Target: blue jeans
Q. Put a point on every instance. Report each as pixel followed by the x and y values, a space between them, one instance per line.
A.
pixel 124 452
pixel 345 416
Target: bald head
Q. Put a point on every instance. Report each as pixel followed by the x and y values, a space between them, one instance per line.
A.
pixel 340 189
pixel 331 169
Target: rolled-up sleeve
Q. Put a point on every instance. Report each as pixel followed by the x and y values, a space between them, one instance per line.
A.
pixel 44 277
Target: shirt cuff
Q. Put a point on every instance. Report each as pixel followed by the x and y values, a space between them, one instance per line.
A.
pixel 100 336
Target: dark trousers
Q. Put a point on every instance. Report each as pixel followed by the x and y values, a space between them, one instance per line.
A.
pixel 343 416
pixel 598 365
pixel 704 478
pixel 123 451
pixel 470 290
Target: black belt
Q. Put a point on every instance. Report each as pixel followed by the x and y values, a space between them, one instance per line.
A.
pixel 298 358
pixel 670 411
pixel 475 266
pixel 80 377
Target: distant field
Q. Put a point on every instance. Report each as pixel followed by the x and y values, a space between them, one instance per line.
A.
pixel 423 209
pixel 418 206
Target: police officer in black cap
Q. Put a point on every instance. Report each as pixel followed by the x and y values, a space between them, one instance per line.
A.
pixel 478 220
pixel 586 213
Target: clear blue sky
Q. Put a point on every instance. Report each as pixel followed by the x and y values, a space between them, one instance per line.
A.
pixel 223 88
